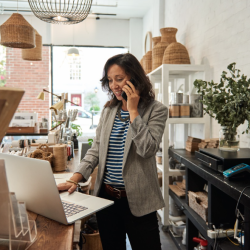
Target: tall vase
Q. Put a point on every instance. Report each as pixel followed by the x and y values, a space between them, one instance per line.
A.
pixel 168 37
pixel 147 61
pixel 229 139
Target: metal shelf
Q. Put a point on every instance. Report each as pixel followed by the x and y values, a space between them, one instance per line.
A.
pixel 177 241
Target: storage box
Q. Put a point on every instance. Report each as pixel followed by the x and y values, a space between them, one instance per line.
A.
pixel 21 130
pixel 198 201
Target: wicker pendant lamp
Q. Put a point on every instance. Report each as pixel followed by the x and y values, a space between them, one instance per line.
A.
pixel 61 11
pixel 36 53
pixel 16 32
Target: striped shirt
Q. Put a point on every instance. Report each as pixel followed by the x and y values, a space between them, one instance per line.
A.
pixel 113 169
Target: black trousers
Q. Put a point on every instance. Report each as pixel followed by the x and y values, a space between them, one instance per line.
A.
pixel 117 220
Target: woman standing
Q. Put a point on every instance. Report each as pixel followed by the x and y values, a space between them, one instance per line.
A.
pixel 127 139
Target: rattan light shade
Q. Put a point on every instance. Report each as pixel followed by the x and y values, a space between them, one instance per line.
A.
pixel 168 37
pixel 176 53
pixel 36 53
pixel 61 11
pixel 16 32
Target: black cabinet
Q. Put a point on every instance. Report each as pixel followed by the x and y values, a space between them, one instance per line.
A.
pixel 222 199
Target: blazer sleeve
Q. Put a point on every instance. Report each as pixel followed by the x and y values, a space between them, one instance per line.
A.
pixel 147 137
pixel 91 159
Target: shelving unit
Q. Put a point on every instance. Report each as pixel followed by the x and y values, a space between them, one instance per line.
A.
pixel 164 78
pixel 222 198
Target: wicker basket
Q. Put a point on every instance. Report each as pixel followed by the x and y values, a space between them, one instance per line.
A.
pixel 91 241
pixel 16 32
pixel 147 62
pixel 36 53
pixel 156 40
pixel 176 53
pixel 168 37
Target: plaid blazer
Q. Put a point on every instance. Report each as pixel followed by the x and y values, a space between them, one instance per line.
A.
pixel 139 164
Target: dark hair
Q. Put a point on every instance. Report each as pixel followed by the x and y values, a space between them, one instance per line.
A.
pixel 133 68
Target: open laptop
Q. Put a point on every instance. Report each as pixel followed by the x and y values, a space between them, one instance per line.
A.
pixel 32 181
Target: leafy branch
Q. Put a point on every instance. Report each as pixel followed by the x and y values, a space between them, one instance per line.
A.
pixel 229 101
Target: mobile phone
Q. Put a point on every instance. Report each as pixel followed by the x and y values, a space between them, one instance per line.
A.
pixel 124 94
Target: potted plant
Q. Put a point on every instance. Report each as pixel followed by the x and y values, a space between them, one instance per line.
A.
pixel 229 103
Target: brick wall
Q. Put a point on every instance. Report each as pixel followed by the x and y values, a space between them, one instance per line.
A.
pixel 31 76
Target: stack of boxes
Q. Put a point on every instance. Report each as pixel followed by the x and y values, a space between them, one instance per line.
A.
pixel 209 143
pixel 192 144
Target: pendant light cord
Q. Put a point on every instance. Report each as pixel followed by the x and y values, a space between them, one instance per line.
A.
pixel 17 6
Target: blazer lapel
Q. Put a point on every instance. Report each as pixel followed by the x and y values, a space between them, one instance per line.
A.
pixel 129 139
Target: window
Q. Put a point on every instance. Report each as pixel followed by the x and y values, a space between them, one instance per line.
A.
pixel 75 72
pixel 79 76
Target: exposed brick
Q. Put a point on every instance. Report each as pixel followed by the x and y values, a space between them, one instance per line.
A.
pixel 32 78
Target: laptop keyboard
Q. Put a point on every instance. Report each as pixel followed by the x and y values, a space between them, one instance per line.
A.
pixel 71 209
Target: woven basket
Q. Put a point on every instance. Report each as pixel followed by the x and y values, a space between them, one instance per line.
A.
pixel 36 53
pixel 147 62
pixel 91 241
pixel 168 37
pixel 176 53
pixel 156 40
pixel 16 32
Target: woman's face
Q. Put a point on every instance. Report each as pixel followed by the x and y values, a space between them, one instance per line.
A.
pixel 117 79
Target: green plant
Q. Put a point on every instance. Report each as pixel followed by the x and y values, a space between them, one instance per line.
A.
pixel 77 128
pixel 229 101
pixel 90 141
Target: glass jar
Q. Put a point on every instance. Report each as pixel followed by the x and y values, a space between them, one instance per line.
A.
pixel 229 139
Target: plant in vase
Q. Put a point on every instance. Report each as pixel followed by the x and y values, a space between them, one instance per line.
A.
pixel 229 103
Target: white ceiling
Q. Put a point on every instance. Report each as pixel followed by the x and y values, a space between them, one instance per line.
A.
pixel 124 9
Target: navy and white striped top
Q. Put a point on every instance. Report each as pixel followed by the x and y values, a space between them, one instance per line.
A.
pixel 113 169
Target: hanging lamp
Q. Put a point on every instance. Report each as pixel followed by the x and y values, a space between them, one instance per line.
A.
pixel 36 53
pixel 16 32
pixel 61 11
pixel 73 52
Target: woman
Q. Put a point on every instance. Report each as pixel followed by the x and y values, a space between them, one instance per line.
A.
pixel 127 139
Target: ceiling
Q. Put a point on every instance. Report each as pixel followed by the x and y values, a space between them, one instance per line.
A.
pixel 118 9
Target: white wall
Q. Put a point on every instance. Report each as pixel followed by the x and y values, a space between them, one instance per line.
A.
pixel 214 32
pixel 103 32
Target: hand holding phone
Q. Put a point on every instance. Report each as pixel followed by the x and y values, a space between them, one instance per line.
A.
pixel 124 95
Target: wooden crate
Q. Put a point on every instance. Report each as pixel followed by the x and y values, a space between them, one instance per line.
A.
pixel 21 130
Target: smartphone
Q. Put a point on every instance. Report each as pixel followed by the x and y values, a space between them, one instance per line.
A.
pixel 123 93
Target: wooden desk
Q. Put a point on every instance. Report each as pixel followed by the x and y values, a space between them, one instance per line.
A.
pixel 52 235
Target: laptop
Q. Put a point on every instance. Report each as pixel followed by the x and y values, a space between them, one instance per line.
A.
pixel 32 181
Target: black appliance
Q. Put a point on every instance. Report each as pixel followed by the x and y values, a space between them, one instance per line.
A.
pixel 222 160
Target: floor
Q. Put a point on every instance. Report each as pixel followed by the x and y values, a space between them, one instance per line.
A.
pixel 166 241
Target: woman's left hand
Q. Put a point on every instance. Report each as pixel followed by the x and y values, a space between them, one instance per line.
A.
pixel 132 97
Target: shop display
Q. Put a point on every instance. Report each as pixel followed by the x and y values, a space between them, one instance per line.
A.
pixel 174 111
pixel 184 110
pixel 176 53
pixel 185 99
pixel 36 53
pixel 16 230
pixel 16 32
pixel 168 37
pixel 196 106
pixel 176 98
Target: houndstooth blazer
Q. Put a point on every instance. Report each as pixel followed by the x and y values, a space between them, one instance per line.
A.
pixel 139 164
